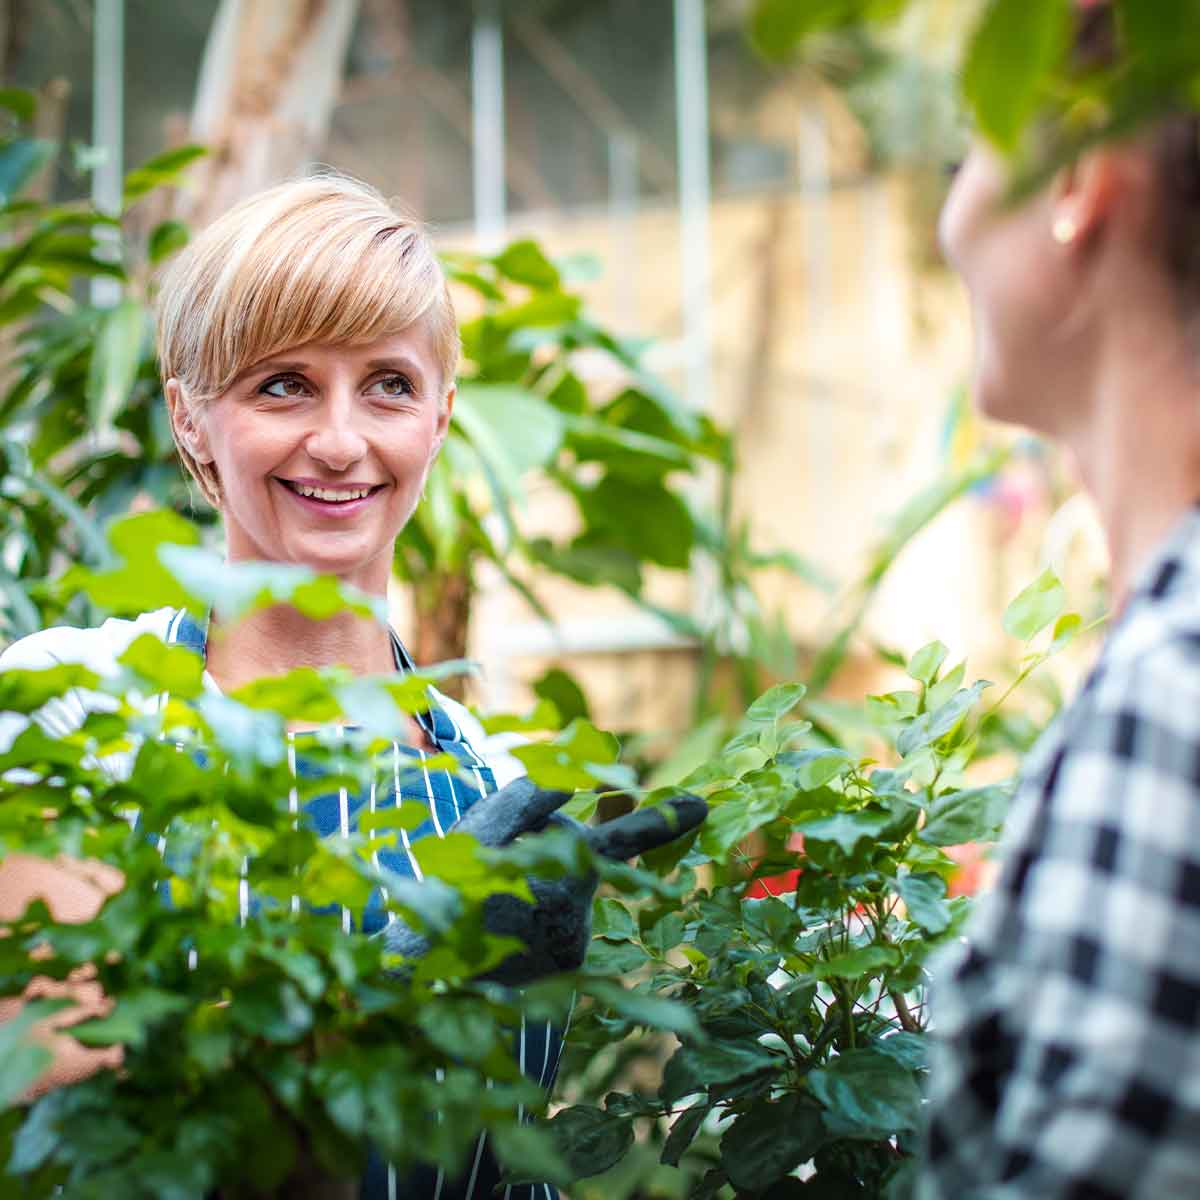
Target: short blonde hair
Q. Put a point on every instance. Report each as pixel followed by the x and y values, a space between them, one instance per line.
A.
pixel 323 259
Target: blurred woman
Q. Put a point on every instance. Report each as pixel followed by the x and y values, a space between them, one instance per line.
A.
pixel 1067 1023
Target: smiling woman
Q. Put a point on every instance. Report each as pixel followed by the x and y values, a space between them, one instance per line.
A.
pixel 308 350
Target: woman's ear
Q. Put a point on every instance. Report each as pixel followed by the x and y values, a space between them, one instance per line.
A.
pixel 1086 193
pixel 188 430
pixel 443 421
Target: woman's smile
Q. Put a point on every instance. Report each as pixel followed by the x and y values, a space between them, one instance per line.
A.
pixel 335 500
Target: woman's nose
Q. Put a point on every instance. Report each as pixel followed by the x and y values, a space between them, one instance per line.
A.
pixel 335 442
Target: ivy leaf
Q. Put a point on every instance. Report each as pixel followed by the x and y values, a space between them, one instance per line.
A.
pixel 590 1139
pixel 1037 605
pixel 867 1095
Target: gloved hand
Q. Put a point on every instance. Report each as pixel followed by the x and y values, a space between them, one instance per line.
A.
pixel 556 928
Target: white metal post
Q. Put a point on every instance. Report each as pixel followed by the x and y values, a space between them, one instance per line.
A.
pixel 108 124
pixel 487 120
pixel 691 116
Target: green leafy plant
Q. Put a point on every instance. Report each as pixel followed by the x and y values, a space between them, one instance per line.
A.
pixel 282 1041
pixel 815 895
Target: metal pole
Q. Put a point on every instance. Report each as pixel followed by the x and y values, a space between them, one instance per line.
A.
pixel 487 124
pixel 108 125
pixel 691 116
pixel 622 213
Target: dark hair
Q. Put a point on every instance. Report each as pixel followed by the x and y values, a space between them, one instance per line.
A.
pixel 1176 145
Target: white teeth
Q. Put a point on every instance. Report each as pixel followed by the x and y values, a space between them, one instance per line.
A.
pixel 338 497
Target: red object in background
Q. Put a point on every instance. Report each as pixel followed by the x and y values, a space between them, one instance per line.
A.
pixel 974 870
pixel 776 885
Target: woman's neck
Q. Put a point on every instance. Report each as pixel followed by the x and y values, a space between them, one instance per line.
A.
pixel 276 640
pixel 1138 444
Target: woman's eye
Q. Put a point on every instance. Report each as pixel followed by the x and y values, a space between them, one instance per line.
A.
pixel 285 387
pixel 392 385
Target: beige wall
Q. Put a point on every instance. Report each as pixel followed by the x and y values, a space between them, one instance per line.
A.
pixel 836 350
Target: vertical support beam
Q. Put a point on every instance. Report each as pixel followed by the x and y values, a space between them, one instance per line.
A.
pixel 691 117
pixel 487 125
pixel 622 219
pixel 108 122
pixel 814 169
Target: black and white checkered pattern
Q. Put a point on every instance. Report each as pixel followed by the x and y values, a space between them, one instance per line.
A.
pixel 1066 1048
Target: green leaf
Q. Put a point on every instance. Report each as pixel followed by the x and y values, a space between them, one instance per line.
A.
pixel 866 960
pixel 159 171
pixel 693 1069
pixel 511 429
pixel 141 582
pixel 20 161
pixel 591 1139
pixel 925 898
pixel 683 1133
pixel 611 919
pixel 932 726
pixel 972 815
pixel 776 702
pixel 524 262
pixel 867 1095
pixel 731 821
pixel 115 361
pixel 174 669
pixel 1035 607
pixel 1066 629
pixel 768 1141
pixel 813 769
pixel 846 830
pixel 131 1019
pixel 925 664
pixel 20 102
pixel 562 690
pixel 1009 61
pixel 165 238
pixel 22 1059
pixel 25 691
pixel 641 1008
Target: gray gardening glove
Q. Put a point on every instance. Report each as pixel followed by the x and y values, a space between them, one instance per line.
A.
pixel 556 928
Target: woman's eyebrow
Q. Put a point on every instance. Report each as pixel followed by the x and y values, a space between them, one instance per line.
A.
pixel 394 362
pixel 271 364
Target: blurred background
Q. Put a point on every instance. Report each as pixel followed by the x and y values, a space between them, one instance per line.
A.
pixel 715 420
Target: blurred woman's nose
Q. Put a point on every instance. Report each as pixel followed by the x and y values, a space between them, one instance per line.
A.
pixel 334 440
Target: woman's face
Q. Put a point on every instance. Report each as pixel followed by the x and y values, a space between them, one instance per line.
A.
pixel 322 451
pixel 1024 295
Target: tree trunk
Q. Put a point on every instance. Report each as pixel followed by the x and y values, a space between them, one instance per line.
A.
pixel 442 616
pixel 269 81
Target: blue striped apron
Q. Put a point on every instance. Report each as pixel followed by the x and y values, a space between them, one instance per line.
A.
pixel 405 777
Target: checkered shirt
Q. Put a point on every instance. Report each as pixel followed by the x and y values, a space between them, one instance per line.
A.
pixel 1066 1048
